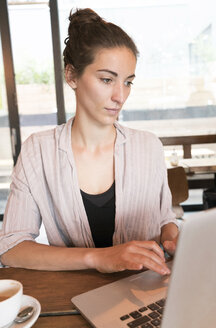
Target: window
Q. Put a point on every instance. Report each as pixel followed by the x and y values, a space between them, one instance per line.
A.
pixel 6 161
pixel 174 92
pixel 33 62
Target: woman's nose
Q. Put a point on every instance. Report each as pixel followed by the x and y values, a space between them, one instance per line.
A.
pixel 118 94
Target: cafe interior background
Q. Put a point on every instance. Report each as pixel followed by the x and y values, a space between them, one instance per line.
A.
pixel 174 93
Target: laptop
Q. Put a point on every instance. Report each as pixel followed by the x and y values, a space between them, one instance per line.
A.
pixel 186 298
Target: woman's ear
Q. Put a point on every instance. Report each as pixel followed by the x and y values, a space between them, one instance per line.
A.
pixel 70 76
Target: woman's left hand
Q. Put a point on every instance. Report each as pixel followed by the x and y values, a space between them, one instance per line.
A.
pixel 170 245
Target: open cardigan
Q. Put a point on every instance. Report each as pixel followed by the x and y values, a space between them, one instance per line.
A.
pixel 45 188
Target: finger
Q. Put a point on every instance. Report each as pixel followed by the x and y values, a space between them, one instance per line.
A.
pixel 149 263
pixel 129 265
pixel 163 270
pixel 138 258
pixel 150 258
pixel 143 253
pixel 153 246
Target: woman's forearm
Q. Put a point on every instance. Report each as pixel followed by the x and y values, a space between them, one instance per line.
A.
pixel 134 255
pixel 31 255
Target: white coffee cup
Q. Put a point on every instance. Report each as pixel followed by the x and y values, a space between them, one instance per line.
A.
pixel 11 292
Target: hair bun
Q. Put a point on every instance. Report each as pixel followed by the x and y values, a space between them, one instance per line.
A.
pixel 84 16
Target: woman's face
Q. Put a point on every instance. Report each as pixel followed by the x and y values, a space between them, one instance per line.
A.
pixel 104 85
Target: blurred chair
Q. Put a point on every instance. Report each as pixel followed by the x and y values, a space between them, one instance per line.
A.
pixel 178 184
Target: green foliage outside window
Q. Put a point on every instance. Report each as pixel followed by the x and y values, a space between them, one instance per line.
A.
pixel 34 75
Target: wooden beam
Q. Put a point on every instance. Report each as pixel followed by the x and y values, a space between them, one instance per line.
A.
pixel 188 140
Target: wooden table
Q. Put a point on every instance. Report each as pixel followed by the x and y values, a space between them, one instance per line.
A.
pixel 199 165
pixel 54 291
pixel 69 321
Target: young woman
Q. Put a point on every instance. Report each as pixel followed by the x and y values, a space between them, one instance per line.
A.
pixel 99 188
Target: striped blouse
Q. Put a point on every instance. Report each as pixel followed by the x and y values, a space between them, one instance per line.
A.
pixel 45 189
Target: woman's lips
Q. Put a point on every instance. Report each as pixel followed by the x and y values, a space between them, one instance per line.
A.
pixel 112 110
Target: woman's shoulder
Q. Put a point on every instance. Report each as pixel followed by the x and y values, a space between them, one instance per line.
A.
pixel 45 141
pixel 57 134
pixel 136 135
pixel 41 137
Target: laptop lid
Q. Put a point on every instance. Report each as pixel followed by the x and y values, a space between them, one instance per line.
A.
pixel 191 299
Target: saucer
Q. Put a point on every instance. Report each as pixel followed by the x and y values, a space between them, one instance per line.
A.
pixel 28 301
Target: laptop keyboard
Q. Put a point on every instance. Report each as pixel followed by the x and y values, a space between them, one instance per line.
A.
pixel 146 317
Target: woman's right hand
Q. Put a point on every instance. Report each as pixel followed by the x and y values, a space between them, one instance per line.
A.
pixel 133 255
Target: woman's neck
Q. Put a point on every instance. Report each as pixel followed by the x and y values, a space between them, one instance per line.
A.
pixel 92 137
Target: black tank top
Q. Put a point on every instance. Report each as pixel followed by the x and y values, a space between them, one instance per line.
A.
pixel 100 210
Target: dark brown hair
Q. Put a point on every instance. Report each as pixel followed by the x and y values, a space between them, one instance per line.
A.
pixel 87 33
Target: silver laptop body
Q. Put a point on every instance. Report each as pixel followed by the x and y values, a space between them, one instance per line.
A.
pixel 190 298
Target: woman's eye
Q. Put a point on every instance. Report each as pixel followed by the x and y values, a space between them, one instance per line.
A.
pixel 128 83
pixel 106 80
